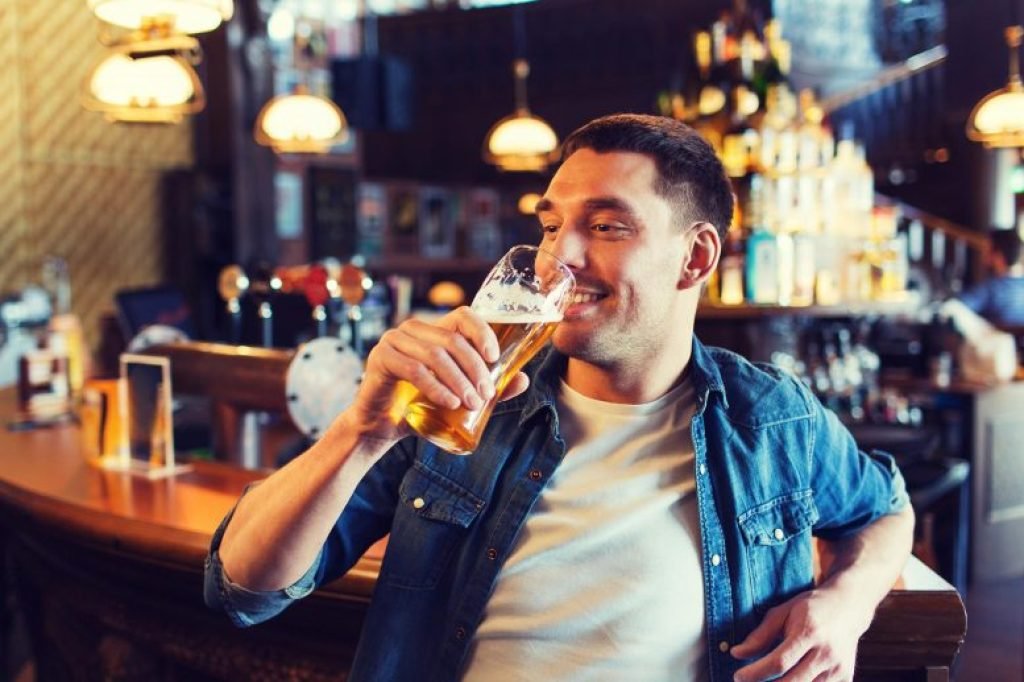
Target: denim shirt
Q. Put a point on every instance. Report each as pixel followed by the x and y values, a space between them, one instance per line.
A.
pixel 773 468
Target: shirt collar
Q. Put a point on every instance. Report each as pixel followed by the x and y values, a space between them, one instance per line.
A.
pixel 705 375
pixel 550 368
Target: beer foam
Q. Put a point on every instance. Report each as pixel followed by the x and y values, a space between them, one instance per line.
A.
pixel 521 304
pixel 498 317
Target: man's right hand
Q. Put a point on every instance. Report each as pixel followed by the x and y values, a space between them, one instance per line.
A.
pixel 447 361
pixel 280 526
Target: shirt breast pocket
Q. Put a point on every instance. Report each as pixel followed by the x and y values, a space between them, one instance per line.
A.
pixel 779 550
pixel 432 518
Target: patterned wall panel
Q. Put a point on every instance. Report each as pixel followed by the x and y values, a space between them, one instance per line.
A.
pixel 101 220
pixel 90 190
pixel 11 214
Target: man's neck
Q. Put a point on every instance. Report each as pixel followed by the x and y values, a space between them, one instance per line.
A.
pixel 637 383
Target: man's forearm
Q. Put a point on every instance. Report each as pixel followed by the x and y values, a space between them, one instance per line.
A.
pixel 869 563
pixel 281 524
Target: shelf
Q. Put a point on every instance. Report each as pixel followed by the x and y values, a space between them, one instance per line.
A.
pixel 905 306
pixel 421 264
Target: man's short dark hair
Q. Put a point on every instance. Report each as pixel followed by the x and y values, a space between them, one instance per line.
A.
pixel 690 176
pixel 1006 243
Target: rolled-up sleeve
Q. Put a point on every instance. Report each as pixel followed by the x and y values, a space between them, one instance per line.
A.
pixel 366 518
pixel 851 488
pixel 243 606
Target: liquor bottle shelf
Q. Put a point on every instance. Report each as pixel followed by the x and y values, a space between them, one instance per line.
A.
pixel 905 305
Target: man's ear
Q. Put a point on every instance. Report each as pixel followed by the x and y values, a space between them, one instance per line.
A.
pixel 705 250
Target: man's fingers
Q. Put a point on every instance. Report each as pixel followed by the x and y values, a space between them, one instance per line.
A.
pixel 520 382
pixel 476 330
pixel 809 669
pixel 761 638
pixel 418 375
pixel 449 357
pixel 778 661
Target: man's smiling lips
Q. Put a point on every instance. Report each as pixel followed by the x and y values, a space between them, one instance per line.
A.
pixel 582 301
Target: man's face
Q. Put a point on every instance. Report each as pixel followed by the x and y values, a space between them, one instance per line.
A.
pixel 603 218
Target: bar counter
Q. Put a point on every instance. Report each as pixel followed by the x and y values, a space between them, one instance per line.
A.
pixel 108 576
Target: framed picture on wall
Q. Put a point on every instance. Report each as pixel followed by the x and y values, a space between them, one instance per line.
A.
pixel 332 212
pixel 288 204
pixel 403 213
pixel 483 231
pixel 371 218
pixel 437 223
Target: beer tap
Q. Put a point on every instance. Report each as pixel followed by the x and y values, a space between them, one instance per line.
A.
pixel 317 291
pixel 232 285
pixel 354 283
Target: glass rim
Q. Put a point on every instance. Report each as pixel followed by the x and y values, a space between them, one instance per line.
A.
pixel 539 249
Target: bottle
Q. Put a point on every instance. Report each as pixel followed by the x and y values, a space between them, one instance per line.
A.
pixel 741 141
pixel 731 268
pixel 804 268
pixel 762 255
pixel 774 69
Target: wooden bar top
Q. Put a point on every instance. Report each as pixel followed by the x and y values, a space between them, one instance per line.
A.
pixel 44 474
pixel 92 520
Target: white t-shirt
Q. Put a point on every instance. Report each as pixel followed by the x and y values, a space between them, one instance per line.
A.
pixel 605 580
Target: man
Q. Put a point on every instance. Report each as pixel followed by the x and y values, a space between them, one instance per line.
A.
pixel 643 511
pixel 1000 299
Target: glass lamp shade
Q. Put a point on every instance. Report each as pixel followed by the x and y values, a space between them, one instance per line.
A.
pixel 187 16
pixel 300 123
pixel 157 89
pixel 998 119
pixel 521 142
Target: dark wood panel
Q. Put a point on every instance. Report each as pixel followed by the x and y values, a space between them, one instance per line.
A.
pixel 243 376
pixel 588 58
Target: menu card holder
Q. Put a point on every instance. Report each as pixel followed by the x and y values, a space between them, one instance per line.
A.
pixel 147 426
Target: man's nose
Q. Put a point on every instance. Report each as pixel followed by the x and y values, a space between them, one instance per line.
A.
pixel 570 248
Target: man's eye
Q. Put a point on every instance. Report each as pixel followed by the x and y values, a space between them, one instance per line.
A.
pixel 549 229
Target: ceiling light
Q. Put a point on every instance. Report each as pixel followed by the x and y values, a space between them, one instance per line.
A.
pixel 521 141
pixel 148 89
pixel 300 123
pixel 187 16
pixel 998 119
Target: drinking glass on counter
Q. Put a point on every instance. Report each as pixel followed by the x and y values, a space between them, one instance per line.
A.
pixel 522 299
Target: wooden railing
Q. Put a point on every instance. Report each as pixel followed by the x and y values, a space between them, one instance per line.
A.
pixel 953 254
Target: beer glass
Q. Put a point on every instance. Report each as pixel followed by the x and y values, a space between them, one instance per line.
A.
pixel 522 299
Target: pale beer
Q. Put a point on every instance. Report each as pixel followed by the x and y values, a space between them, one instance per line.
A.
pixel 458 431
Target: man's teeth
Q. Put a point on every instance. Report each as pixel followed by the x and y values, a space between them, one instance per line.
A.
pixel 584 298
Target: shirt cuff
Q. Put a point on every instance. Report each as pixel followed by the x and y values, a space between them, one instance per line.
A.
pixel 243 606
pixel 898 497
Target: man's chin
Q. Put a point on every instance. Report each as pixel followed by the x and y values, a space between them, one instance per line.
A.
pixel 570 341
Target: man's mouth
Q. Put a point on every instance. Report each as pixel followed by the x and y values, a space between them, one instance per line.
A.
pixel 582 302
pixel 585 297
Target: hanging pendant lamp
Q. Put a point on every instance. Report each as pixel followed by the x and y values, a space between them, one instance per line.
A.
pixel 144 87
pixel 998 119
pixel 186 16
pixel 300 123
pixel 521 141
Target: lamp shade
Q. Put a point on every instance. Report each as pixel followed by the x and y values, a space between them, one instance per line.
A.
pixel 187 16
pixel 155 89
pixel 300 123
pixel 521 142
pixel 998 119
